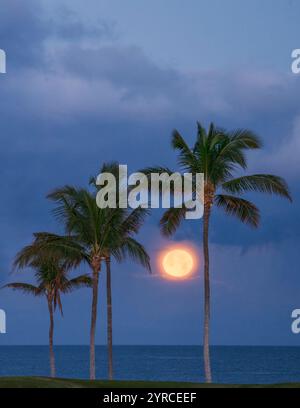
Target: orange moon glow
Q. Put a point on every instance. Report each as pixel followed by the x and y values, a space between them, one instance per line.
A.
pixel 178 263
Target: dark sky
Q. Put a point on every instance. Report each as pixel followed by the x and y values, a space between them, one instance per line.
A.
pixel 95 81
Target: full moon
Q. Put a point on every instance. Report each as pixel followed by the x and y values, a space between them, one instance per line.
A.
pixel 178 263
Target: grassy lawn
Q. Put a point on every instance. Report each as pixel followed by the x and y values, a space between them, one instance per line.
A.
pixel 43 382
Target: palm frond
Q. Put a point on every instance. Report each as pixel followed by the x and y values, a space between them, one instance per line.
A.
pixel 66 248
pixel 25 288
pixel 171 220
pixel 245 139
pixel 186 158
pixel 244 210
pixel 230 150
pixel 134 250
pixel 264 183
pixel 134 220
pixel 201 136
pixel 81 281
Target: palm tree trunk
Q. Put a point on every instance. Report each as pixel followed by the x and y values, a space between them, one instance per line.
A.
pixel 206 351
pixel 51 331
pixel 109 320
pixel 93 325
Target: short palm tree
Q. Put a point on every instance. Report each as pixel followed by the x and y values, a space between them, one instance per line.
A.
pixel 217 154
pixel 95 236
pixel 51 274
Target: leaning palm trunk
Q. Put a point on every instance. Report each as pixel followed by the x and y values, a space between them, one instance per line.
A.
pixel 51 331
pixel 93 324
pixel 206 351
pixel 109 320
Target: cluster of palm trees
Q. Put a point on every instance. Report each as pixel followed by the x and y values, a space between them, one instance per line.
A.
pixel 94 236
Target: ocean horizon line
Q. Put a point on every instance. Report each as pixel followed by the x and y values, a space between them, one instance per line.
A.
pixel 155 345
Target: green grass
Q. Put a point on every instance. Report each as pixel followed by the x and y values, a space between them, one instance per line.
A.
pixel 44 382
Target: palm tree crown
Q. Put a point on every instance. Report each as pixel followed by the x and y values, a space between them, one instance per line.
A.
pixel 219 154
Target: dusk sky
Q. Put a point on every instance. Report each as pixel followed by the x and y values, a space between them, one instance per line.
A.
pixel 101 80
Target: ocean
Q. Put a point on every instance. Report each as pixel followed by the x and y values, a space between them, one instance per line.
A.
pixel 234 365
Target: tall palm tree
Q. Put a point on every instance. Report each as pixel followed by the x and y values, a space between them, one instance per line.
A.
pixel 95 236
pixel 119 245
pixel 218 154
pixel 51 274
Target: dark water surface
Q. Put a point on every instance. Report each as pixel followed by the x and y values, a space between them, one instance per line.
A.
pixel 159 363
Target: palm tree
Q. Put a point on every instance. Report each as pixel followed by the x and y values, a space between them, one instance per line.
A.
pixel 51 272
pixel 119 245
pixel 218 154
pixel 95 236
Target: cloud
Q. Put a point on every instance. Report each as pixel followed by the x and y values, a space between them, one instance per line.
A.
pixel 62 67
pixel 286 155
pixel 26 30
pixel 69 26
pixel 121 82
pixel 139 85
pixel 22 32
